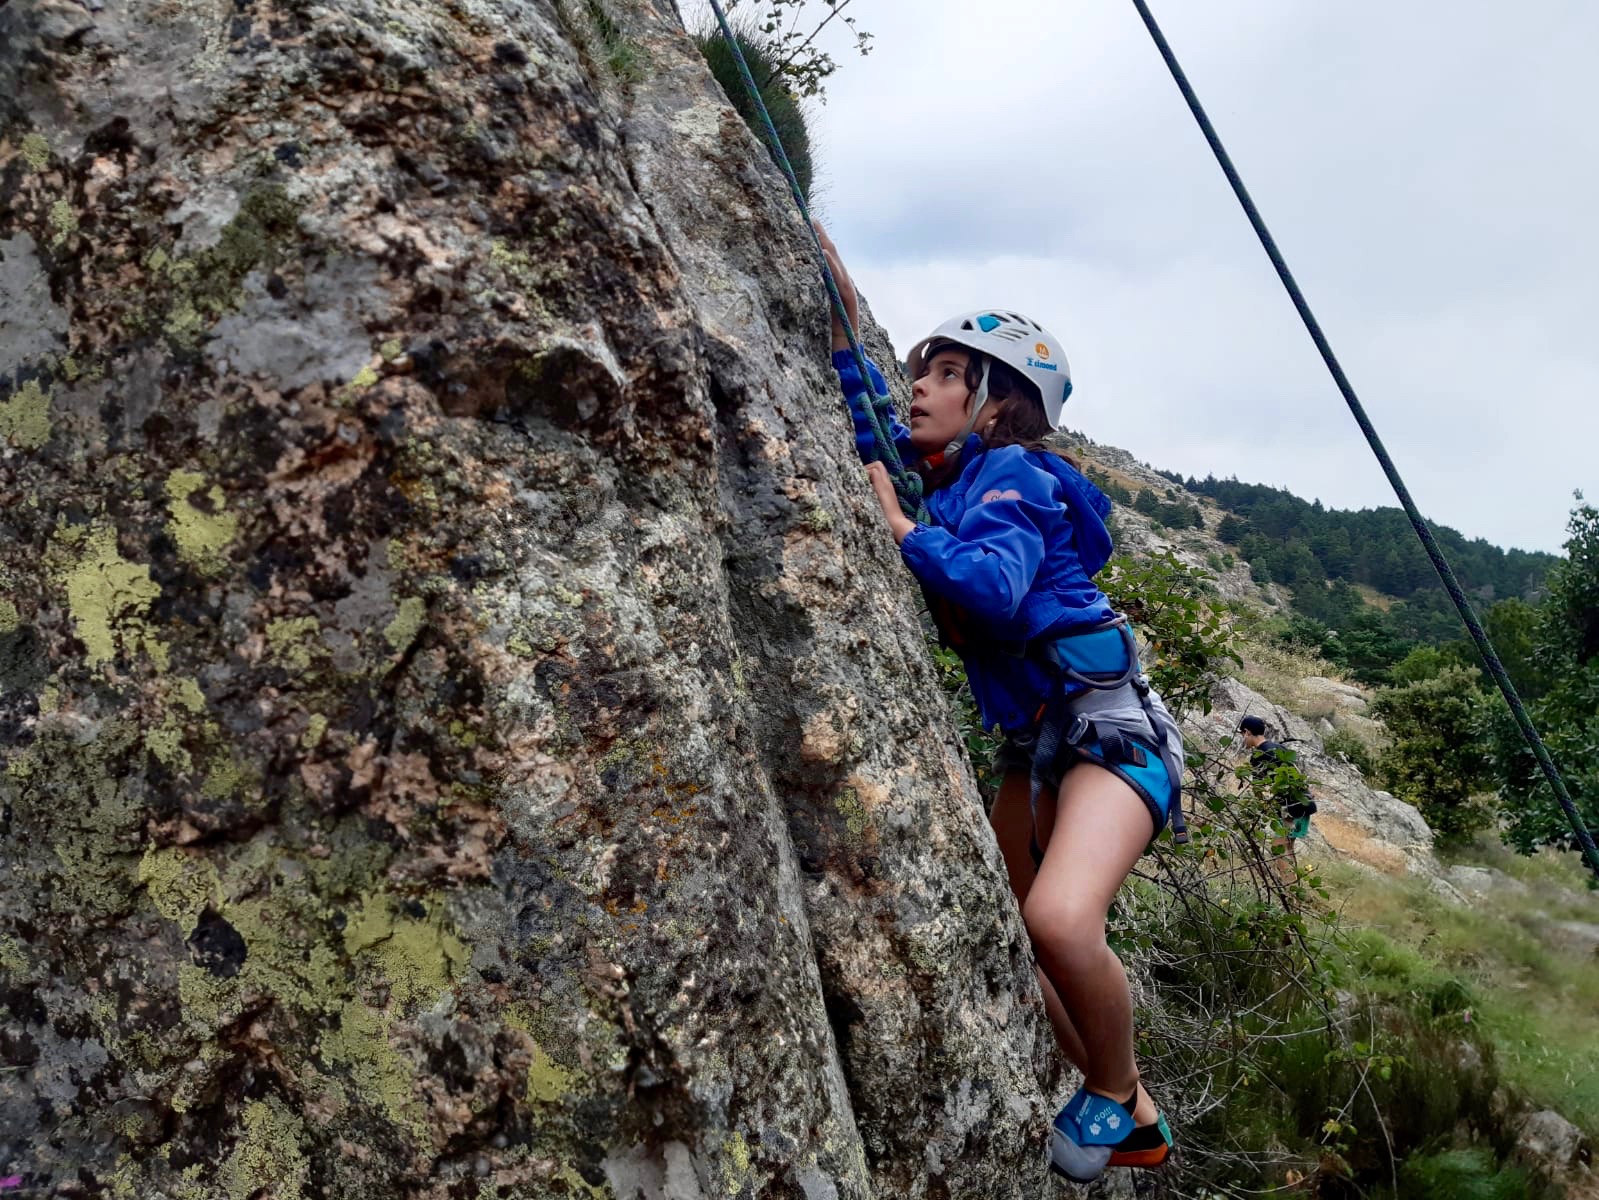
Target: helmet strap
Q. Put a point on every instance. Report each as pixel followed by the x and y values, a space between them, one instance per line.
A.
pixel 979 398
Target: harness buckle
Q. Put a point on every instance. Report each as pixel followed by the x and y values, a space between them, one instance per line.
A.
pixel 1078 730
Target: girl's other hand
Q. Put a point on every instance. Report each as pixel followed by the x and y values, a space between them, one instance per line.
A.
pixel 883 488
pixel 846 289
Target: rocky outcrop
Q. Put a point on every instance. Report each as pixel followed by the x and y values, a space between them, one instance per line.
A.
pixel 466 731
pixel 1354 819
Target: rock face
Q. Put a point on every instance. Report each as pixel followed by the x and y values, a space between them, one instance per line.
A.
pixel 467 733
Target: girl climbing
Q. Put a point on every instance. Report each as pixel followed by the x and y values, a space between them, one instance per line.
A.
pixel 1092 762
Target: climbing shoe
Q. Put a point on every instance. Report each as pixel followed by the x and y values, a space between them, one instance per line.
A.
pixel 1094 1132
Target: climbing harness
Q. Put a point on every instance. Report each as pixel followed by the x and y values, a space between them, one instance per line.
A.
pixel 907 484
pixel 1113 719
pixel 1424 532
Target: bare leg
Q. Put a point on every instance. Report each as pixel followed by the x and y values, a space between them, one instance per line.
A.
pixel 1100 829
pixel 1012 819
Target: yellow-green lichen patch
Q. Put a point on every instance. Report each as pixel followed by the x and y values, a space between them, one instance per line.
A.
pixel 13 958
pixel 209 1001
pixel 203 536
pixel 165 741
pixel 25 417
pixel 364 378
pixel 63 222
pixel 418 957
pixel 547 1080
pixel 187 695
pixel 735 1162
pixel 314 729
pixel 9 618
pixel 183 326
pixel 849 806
pixel 180 884
pixel 379 1073
pixel 36 151
pixel 224 776
pixel 267 1159
pixel 391 349
pixel 108 597
pixel 290 641
pixel 402 631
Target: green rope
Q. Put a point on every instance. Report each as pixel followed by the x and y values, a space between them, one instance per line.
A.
pixel 907 484
pixel 1440 564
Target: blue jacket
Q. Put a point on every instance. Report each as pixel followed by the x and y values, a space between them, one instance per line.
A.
pixel 1014 544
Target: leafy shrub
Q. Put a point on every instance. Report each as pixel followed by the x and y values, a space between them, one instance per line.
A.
pixel 1437 758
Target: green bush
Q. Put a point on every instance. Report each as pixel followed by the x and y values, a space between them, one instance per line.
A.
pixel 1437 758
pixel 786 109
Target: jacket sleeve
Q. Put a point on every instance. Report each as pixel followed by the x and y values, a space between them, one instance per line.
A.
pixel 857 397
pixel 989 560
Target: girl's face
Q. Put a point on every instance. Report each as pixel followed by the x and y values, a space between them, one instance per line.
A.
pixel 939 400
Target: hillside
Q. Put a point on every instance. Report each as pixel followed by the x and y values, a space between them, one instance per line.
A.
pixel 1512 939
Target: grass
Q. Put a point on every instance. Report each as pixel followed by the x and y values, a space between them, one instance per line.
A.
pixel 1530 995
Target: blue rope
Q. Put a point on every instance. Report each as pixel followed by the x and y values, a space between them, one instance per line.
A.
pixel 907 484
pixel 1423 531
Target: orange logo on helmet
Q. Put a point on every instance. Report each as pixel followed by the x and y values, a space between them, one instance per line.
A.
pixel 1041 350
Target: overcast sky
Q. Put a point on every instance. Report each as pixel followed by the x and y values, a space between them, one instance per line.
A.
pixel 1429 168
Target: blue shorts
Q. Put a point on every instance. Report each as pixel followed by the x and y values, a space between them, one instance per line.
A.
pixel 1150 779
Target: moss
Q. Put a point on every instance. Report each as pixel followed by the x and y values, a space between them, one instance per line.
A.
pixel 202 536
pixel 290 641
pixel 402 631
pixel 268 1156
pixel 108 598
pixel 180 884
pixel 9 619
pixel 25 417
pixel 36 151
pixel 63 222
pixel 418 958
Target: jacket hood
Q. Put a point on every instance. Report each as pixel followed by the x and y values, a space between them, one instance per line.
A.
pixel 1088 507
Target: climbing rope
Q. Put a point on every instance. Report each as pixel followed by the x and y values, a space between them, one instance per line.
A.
pixel 1423 531
pixel 907 484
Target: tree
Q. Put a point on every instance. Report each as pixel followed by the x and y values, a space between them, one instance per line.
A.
pixel 1437 758
pixel 1564 658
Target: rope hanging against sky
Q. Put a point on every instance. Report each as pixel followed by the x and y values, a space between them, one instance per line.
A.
pixel 1423 531
pixel 907 484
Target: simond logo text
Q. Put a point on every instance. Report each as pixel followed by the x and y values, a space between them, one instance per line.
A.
pixel 1047 366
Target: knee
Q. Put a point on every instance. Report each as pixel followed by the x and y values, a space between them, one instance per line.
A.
pixel 1071 929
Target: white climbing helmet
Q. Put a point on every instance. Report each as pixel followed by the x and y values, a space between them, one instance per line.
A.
pixel 1017 341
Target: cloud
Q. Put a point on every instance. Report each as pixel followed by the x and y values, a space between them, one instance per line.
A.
pixel 1429 169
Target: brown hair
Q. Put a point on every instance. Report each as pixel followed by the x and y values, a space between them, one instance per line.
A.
pixel 1019 422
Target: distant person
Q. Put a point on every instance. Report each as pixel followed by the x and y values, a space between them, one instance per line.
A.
pixel 1293 796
